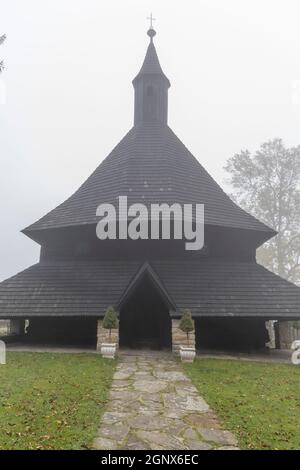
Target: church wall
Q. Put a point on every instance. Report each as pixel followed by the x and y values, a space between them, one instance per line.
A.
pixel 231 334
pixel 82 244
pixel 62 331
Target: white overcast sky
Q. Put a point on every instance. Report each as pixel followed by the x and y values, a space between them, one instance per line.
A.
pixel 69 65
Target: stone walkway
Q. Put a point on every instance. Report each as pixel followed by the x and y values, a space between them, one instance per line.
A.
pixel 153 405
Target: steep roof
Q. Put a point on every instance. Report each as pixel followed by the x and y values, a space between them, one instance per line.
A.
pixel 146 270
pixel 208 287
pixel 151 64
pixel 149 165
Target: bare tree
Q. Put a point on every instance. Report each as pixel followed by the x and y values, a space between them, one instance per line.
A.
pixel 267 184
pixel 2 39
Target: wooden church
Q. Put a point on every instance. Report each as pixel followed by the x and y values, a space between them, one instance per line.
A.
pixel 64 296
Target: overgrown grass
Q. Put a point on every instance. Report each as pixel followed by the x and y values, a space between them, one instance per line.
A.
pixel 259 402
pixel 52 401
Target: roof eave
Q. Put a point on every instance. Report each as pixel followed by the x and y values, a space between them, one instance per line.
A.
pixel 140 75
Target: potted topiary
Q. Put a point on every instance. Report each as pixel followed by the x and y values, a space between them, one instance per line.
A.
pixel 110 322
pixel 187 353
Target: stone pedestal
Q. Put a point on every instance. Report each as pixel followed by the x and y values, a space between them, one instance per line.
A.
pixel 179 338
pixel 103 335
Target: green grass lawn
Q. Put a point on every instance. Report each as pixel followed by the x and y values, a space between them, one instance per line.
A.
pixel 52 401
pixel 259 402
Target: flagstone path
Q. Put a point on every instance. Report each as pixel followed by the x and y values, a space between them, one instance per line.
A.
pixel 153 405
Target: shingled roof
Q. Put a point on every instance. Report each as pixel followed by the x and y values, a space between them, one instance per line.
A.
pixel 151 64
pixel 149 165
pixel 208 287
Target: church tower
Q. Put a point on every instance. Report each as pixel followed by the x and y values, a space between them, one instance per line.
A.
pixel 151 89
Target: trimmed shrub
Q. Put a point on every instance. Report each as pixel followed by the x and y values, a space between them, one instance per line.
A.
pixel 186 323
pixel 110 320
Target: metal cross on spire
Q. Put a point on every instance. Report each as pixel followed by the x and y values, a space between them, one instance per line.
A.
pixel 151 19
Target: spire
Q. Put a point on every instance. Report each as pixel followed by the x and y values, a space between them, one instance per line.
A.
pixel 151 87
pixel 151 63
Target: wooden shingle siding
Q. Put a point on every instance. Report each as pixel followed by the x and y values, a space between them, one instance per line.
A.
pixel 207 287
pixel 149 165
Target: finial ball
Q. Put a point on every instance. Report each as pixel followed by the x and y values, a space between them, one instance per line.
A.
pixel 151 33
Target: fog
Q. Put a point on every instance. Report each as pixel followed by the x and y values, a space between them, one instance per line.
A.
pixel 234 68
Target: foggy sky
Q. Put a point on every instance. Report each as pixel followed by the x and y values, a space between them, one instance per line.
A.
pixel 69 65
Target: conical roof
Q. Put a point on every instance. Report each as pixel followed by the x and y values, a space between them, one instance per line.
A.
pixel 151 64
pixel 149 165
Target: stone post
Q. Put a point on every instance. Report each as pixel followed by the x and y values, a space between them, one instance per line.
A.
pixel 103 335
pixel 179 338
pixel 271 344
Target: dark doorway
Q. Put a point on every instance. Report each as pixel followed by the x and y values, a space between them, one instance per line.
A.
pixel 62 331
pixel 144 318
pixel 231 334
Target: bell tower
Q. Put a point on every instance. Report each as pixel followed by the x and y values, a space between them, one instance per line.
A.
pixel 151 89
